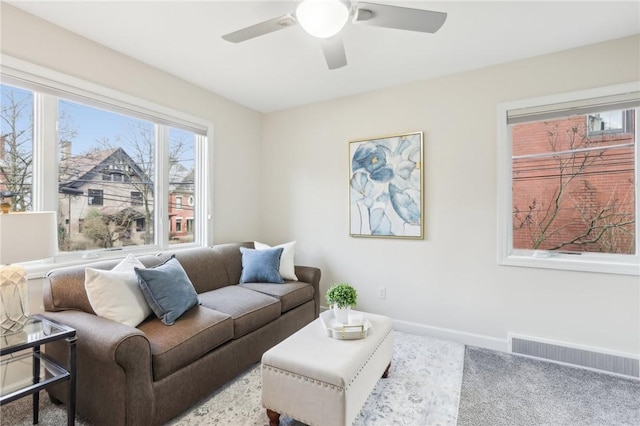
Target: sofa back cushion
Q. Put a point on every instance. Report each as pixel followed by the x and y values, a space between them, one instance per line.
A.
pixel 208 268
pixel 232 258
pixel 64 287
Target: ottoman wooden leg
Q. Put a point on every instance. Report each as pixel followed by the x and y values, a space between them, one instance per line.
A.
pixel 274 418
pixel 386 372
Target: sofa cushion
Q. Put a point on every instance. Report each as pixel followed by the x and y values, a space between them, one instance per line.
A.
pixel 167 289
pixel 249 309
pixel 195 333
pixel 261 266
pixel 205 268
pixel 115 294
pixel 290 294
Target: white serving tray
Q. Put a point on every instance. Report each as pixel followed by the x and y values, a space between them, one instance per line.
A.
pixel 357 328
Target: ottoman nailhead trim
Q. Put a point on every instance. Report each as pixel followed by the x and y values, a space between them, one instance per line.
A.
pixel 301 377
pixel 329 385
pixel 368 359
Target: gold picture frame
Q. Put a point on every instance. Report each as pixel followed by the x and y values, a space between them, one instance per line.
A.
pixel 386 187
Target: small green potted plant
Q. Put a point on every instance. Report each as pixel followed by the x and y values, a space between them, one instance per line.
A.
pixel 342 297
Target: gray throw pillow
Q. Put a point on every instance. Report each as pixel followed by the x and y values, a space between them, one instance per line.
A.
pixel 261 266
pixel 167 289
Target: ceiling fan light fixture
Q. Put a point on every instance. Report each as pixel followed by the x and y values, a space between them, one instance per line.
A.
pixel 322 18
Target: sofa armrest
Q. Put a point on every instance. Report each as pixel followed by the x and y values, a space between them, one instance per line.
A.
pixel 116 356
pixel 311 275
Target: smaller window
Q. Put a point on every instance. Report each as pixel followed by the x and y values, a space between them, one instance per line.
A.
pixel 190 201
pixel 178 225
pixel 95 197
pixel 136 198
pixel 178 202
pixel 140 225
pixel 190 226
pixel 568 197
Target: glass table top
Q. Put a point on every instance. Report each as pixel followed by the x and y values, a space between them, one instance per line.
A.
pixel 37 330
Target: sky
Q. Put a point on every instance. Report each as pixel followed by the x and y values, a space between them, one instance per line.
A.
pixel 92 124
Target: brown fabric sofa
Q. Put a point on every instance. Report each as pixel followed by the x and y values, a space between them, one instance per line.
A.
pixel 149 374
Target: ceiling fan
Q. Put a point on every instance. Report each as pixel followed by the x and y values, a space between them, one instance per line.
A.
pixel 325 19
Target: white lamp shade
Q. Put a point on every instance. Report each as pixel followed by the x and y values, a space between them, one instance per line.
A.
pixel 27 236
pixel 322 18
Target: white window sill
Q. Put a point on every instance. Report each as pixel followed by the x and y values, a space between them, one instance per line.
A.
pixel 586 262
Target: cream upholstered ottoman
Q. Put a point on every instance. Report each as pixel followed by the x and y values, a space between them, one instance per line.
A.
pixel 320 380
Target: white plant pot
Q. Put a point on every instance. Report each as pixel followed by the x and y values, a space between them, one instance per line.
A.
pixel 341 314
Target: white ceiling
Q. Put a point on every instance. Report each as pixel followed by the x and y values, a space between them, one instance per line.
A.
pixel 287 68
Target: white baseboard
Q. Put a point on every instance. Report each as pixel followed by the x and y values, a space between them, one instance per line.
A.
pixel 471 339
pixel 487 342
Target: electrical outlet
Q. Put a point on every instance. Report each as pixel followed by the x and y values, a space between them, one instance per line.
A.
pixel 382 292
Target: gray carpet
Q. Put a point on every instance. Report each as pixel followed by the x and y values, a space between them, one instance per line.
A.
pixel 503 389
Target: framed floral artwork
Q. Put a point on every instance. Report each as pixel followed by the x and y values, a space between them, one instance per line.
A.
pixel 385 187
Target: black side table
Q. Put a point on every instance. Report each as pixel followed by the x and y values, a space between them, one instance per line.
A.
pixel 30 372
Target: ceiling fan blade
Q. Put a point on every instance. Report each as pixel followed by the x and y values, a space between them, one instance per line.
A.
pixel 262 28
pixel 334 53
pixel 400 18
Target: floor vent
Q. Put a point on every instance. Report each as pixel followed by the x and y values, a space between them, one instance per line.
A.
pixel 581 357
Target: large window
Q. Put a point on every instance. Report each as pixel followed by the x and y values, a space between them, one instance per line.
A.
pixel 109 164
pixel 568 181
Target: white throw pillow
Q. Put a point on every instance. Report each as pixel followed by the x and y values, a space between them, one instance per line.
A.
pixel 287 263
pixel 115 294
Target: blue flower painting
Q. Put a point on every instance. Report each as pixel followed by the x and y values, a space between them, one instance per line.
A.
pixel 385 186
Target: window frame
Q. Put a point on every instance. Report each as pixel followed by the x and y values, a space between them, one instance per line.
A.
pixel 586 262
pixel 48 87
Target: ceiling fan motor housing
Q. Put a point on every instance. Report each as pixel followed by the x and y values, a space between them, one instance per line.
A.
pixel 323 18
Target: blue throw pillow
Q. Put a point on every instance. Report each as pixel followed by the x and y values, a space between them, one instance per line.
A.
pixel 167 289
pixel 261 266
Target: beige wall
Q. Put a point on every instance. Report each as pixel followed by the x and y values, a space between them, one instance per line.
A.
pixel 289 174
pixel 450 280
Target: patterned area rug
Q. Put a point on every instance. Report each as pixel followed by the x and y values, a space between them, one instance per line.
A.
pixel 423 388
